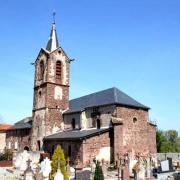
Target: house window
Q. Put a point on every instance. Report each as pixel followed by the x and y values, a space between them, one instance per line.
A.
pixel 58 70
pixel 69 151
pixel 41 72
pixel 73 123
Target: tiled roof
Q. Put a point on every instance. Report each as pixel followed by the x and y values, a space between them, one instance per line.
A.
pixel 76 134
pixel 25 123
pixel 105 97
pixel 5 126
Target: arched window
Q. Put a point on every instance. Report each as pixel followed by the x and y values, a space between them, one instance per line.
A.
pixel 58 70
pixel 98 123
pixel 73 123
pixel 41 72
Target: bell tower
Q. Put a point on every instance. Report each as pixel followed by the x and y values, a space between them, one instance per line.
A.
pixel 51 90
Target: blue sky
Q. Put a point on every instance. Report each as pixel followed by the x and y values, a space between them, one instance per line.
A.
pixel 133 45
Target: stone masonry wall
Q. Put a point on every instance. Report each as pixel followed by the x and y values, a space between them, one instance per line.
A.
pixel 68 120
pixel 93 145
pixel 51 95
pixel 18 139
pixel 135 135
pixel 83 151
pixel 62 99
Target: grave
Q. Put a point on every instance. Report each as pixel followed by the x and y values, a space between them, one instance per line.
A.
pixel 45 168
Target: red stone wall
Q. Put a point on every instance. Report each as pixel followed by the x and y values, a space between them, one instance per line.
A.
pixel 61 103
pixel 53 119
pixel 48 105
pixel 92 146
pixel 22 136
pixel 152 138
pixel 134 136
pixel 83 151
pixel 118 140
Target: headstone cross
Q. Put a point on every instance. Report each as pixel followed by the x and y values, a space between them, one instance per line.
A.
pixel 28 163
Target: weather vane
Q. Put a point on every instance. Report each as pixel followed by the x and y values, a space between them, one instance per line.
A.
pixel 54 14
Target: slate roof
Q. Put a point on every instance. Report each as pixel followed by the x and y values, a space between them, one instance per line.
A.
pixel 25 123
pixel 76 134
pixel 53 40
pixel 105 97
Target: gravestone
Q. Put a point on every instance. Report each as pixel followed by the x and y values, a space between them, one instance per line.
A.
pixel 59 175
pixel 83 175
pixel 22 157
pixel 104 168
pixel 38 174
pixel 68 168
pixel 28 173
pixel 21 161
pixel 165 166
pixel 170 164
pixel 45 168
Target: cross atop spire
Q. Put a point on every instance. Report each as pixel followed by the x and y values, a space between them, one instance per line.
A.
pixel 53 40
pixel 54 14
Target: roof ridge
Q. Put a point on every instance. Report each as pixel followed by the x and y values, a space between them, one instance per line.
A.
pixel 97 92
pixel 115 94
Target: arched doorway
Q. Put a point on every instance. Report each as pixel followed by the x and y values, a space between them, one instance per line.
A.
pixel 26 148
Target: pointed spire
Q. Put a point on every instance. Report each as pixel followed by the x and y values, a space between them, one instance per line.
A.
pixel 53 40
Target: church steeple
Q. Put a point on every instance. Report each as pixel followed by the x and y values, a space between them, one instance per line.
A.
pixel 53 40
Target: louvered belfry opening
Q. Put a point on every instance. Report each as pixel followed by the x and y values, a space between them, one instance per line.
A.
pixel 41 74
pixel 58 70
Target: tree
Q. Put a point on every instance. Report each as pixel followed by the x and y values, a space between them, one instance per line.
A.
pixel 167 141
pixel 58 155
pixel 98 172
pixel 160 139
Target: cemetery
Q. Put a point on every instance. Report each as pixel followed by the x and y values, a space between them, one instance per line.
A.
pixel 28 165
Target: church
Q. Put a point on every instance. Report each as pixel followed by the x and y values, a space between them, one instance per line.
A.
pixel 100 125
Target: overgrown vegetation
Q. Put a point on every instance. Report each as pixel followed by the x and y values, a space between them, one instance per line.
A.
pixel 167 141
pixel 58 155
pixel 98 172
pixel 7 155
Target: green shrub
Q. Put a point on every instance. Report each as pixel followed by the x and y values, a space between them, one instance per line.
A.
pixel 58 154
pixel 7 155
pixel 98 172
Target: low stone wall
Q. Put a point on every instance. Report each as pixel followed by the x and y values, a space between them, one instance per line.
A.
pixel 6 163
pixel 164 156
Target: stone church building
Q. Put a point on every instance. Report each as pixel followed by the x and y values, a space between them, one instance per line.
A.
pixel 99 125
